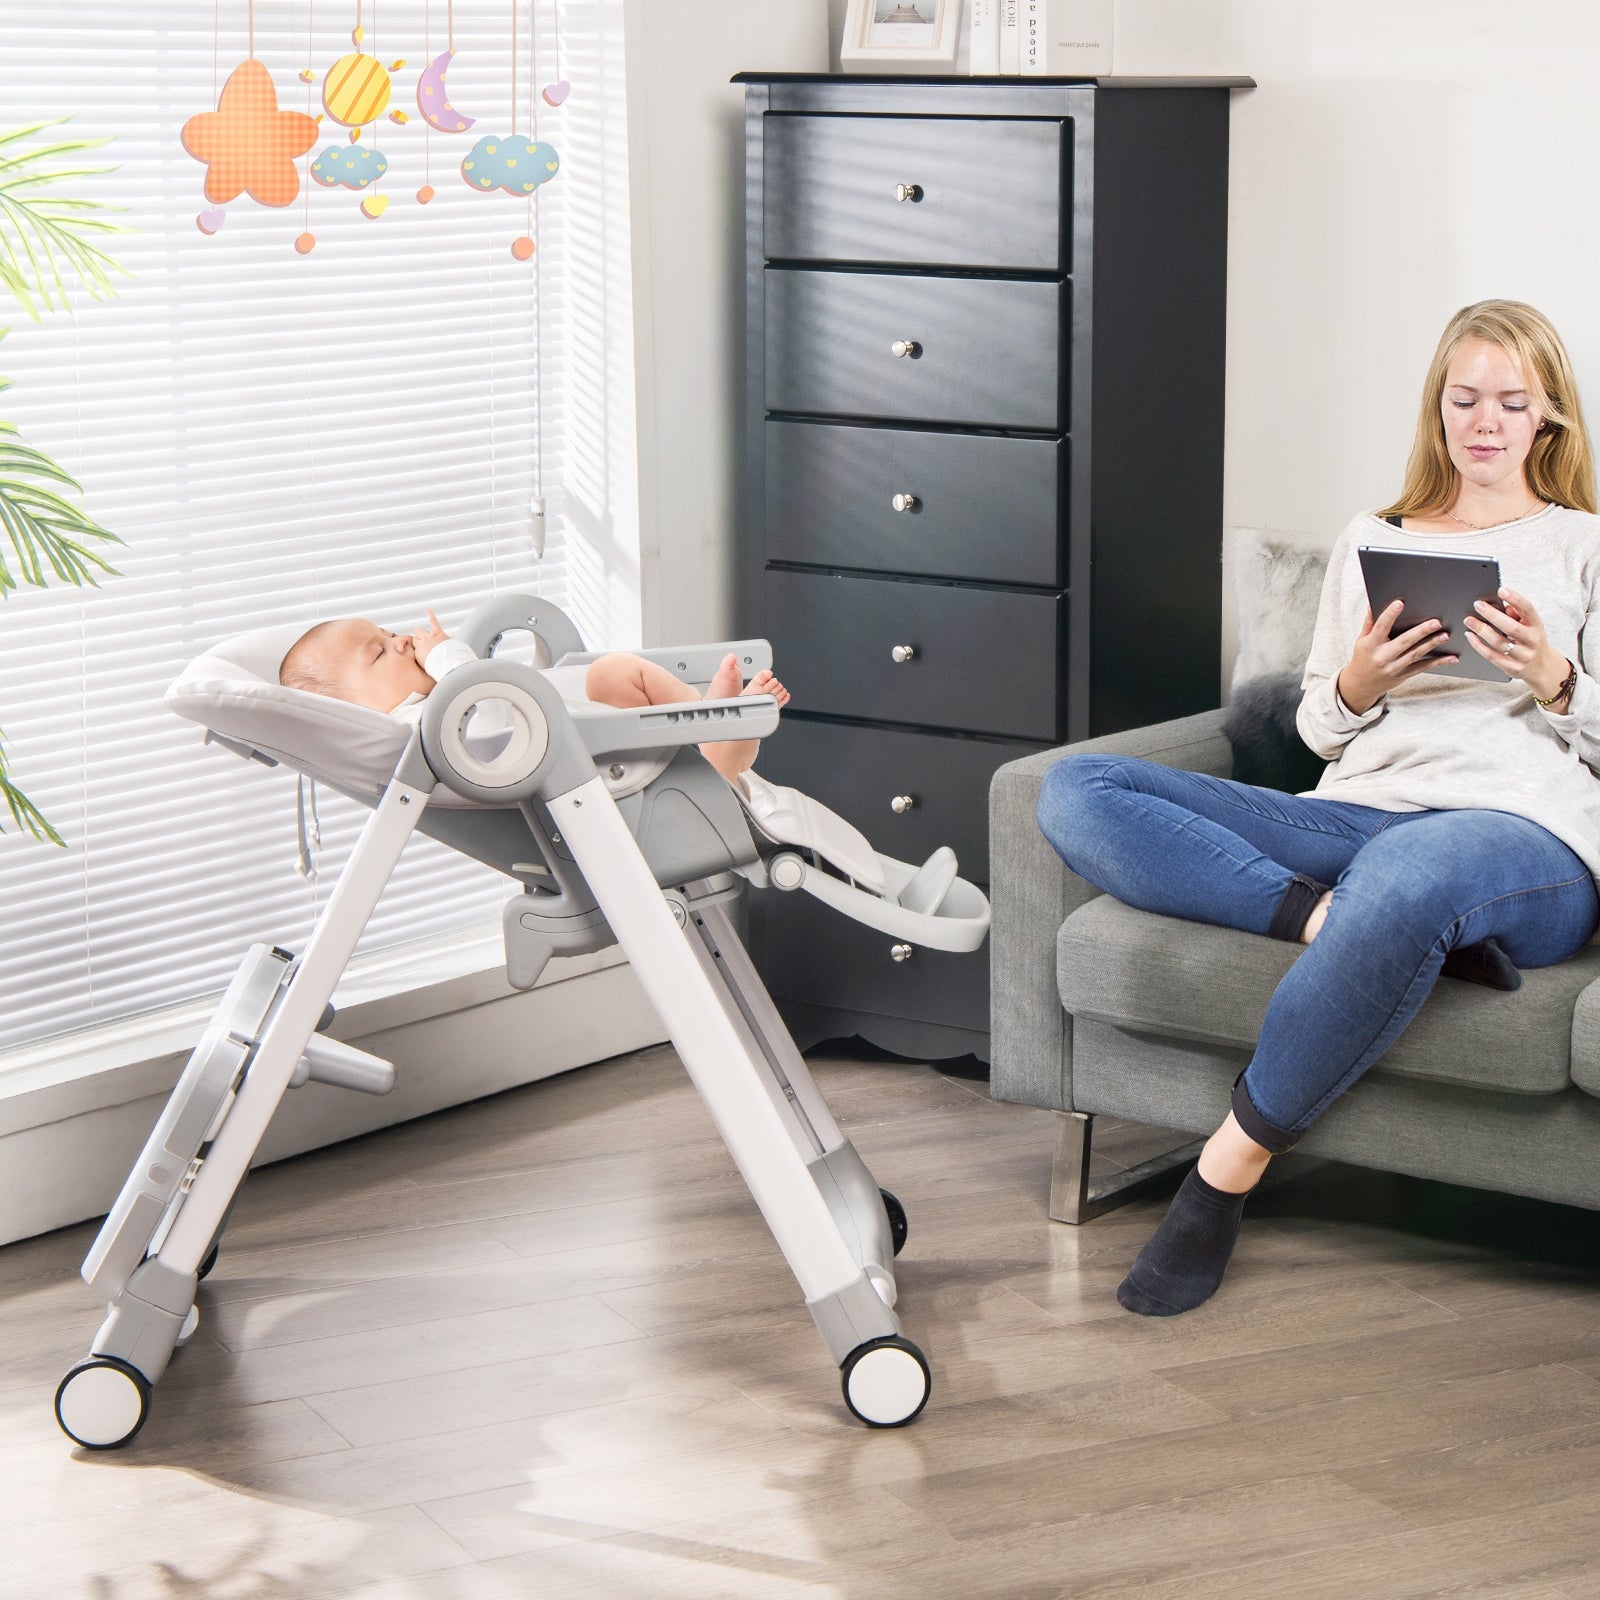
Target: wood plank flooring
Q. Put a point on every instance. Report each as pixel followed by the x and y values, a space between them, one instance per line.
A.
pixel 543 1345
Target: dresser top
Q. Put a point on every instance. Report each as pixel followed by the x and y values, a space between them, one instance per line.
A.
pixel 951 78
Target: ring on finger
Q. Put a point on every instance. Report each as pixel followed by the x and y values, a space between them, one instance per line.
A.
pixel 1511 644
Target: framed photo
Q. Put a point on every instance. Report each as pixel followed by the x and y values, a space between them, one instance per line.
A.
pixel 913 32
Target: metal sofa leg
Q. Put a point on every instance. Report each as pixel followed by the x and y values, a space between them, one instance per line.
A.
pixel 1074 1199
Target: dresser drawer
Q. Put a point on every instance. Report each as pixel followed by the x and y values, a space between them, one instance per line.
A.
pixel 862 772
pixel 984 351
pixel 931 191
pixel 974 505
pixel 814 956
pixel 983 660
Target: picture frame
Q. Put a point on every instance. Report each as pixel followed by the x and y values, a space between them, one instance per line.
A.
pixel 901 32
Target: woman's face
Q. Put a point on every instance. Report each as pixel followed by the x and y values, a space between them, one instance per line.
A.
pixel 1489 420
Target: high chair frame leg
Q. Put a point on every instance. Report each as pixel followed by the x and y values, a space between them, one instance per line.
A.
pixel 102 1402
pixel 886 1378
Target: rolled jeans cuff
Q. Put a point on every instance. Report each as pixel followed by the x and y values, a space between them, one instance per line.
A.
pixel 1266 1134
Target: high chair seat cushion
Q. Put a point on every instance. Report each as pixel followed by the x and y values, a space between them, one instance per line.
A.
pixel 233 689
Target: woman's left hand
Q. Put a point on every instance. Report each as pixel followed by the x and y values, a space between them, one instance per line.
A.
pixel 1514 640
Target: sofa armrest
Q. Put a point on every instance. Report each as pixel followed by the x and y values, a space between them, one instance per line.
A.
pixel 1033 892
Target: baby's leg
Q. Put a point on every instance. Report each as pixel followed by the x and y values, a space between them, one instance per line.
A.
pixel 624 680
pixel 620 679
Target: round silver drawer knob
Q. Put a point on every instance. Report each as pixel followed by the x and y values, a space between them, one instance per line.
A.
pixel 906 347
pixel 908 191
pixel 906 502
pixel 902 803
pixel 900 952
pixel 903 652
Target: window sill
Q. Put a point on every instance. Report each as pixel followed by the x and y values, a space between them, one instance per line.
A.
pixel 143 1056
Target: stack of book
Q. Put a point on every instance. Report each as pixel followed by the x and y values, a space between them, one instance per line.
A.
pixel 1041 38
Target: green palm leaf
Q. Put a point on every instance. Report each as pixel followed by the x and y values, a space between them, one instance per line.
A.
pixel 24 812
pixel 45 531
pixel 47 240
pixel 45 236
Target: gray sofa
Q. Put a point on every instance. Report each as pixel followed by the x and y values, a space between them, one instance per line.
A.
pixel 1100 1010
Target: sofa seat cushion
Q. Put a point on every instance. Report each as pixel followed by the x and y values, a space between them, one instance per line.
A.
pixel 1188 980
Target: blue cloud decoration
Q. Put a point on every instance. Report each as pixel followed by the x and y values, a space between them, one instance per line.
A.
pixel 349 166
pixel 516 164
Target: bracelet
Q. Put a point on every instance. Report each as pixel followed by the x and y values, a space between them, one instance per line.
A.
pixel 1568 684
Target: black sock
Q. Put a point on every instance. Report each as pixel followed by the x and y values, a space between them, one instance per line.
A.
pixel 1182 1265
pixel 1295 908
pixel 1484 962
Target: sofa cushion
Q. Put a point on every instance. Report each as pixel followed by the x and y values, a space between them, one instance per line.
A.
pixel 1167 976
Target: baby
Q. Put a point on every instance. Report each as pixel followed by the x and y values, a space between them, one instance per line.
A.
pixel 351 659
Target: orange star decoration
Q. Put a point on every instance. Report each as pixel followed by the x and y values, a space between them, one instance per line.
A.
pixel 247 143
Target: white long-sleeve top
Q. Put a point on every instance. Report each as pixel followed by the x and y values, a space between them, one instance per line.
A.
pixel 445 656
pixel 448 654
pixel 1450 744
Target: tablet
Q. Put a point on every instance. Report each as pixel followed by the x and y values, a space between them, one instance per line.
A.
pixel 1442 586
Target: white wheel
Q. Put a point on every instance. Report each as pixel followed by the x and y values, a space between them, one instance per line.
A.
pixel 190 1323
pixel 102 1402
pixel 886 1382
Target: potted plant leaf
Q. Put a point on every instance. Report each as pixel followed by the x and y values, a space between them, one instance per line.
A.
pixel 47 238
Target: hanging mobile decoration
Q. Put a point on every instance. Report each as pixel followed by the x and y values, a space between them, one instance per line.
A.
pixel 247 145
pixel 355 90
pixel 433 97
pixel 306 241
pixel 516 163
pixel 555 94
pixel 522 248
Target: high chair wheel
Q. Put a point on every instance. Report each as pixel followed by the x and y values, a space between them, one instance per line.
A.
pixel 102 1403
pixel 209 1262
pixel 886 1381
pixel 899 1229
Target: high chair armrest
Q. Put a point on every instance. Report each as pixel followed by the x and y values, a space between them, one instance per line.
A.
pixel 692 663
pixel 615 731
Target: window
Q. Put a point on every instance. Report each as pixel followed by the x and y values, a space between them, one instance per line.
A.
pixel 364 429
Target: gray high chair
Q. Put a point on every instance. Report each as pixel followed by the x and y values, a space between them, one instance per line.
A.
pixel 619 832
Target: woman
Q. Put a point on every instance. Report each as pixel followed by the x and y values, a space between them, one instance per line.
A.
pixel 1459 819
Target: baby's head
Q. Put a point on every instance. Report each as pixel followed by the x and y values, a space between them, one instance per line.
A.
pixel 355 660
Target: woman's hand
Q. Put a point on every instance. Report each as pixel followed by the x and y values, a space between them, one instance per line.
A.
pixel 1378 662
pixel 1516 643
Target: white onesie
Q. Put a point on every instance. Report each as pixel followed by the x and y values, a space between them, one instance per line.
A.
pixel 449 654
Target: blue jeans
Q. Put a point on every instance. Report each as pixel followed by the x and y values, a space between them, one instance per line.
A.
pixel 1408 887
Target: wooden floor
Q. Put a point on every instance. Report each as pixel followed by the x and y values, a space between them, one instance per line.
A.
pixel 543 1346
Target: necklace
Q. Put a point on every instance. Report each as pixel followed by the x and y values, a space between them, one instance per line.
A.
pixel 1480 527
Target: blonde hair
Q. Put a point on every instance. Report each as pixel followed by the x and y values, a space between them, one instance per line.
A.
pixel 307 665
pixel 1560 466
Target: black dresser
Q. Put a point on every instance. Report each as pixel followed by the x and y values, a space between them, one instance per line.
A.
pixel 983 468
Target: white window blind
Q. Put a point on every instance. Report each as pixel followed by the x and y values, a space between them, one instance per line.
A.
pixel 361 430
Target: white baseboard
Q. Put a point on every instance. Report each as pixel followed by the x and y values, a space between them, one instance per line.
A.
pixel 69 1169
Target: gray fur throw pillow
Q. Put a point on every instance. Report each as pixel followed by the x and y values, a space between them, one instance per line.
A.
pixel 1277 581
pixel 1267 748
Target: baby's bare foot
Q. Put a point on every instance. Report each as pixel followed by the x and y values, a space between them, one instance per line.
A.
pixel 765 683
pixel 725 681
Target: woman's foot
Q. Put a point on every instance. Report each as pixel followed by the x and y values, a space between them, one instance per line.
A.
pixel 1182 1265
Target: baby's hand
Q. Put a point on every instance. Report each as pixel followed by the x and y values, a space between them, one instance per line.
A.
pixel 423 639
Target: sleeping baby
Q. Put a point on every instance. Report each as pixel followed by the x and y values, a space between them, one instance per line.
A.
pixel 351 659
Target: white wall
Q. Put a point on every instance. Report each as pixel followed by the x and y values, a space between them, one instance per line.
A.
pixel 686 157
pixel 1398 159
